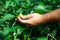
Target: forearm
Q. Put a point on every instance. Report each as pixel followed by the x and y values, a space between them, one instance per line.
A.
pixel 52 16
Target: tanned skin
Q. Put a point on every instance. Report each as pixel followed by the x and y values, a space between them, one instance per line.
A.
pixel 36 18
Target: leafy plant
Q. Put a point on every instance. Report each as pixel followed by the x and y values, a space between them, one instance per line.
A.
pixel 10 29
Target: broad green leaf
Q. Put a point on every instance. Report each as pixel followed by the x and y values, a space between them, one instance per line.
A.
pixel 6 30
pixel 40 8
pixel 7 3
pixel 6 17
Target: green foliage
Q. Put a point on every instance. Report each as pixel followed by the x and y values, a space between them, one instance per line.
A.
pixel 10 29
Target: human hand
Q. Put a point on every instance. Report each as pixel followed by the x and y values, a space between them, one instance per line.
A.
pixel 31 19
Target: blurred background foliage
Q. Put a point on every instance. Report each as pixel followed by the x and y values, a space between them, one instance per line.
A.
pixel 12 30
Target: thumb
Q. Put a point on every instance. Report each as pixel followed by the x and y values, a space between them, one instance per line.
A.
pixel 22 21
pixel 26 17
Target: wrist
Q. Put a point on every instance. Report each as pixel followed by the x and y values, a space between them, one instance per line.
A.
pixel 42 19
pixel 45 18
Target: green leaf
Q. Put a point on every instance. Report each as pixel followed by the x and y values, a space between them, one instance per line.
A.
pixel 6 17
pixel 20 10
pixel 42 38
pixel 7 4
pixel 19 31
pixel 40 8
pixel 13 29
pixel 6 30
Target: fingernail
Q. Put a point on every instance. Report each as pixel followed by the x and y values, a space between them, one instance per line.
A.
pixel 22 17
pixel 15 18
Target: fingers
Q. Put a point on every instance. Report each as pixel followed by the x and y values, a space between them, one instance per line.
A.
pixel 22 21
pixel 27 16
